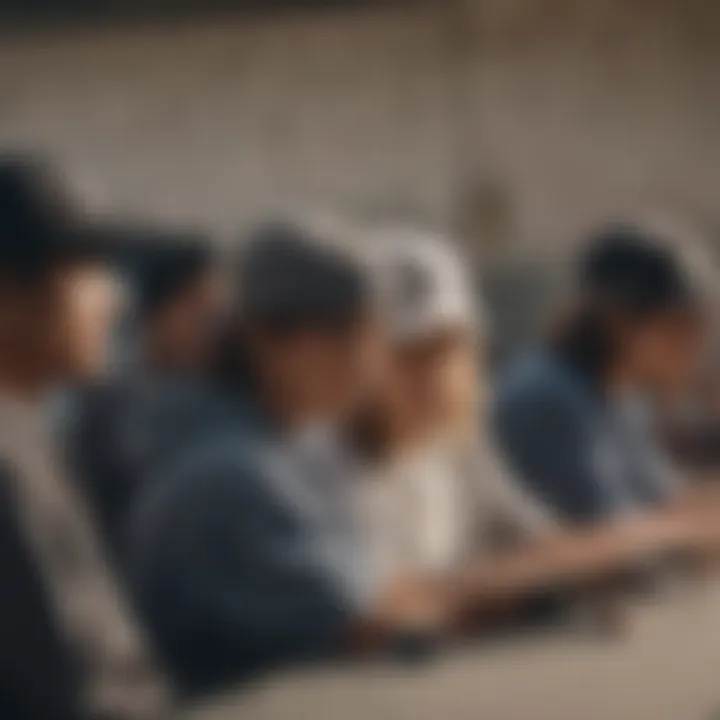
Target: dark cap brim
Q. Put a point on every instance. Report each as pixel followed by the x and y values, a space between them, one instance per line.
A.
pixel 115 243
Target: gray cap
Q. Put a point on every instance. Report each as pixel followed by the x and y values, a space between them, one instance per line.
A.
pixel 294 273
pixel 426 285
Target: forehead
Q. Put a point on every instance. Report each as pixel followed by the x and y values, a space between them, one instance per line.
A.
pixel 362 328
pixel 677 319
pixel 82 270
pixel 444 343
pixel 86 277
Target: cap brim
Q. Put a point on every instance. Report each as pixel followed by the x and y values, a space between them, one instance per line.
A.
pixel 114 243
pixel 427 325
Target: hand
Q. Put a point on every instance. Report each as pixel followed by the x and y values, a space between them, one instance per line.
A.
pixel 671 531
pixel 409 602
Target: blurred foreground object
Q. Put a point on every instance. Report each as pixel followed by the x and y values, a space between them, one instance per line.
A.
pixel 69 647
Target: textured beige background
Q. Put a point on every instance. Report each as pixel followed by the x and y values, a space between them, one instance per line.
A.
pixel 571 109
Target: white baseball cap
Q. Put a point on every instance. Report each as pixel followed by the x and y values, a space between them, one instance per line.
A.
pixel 425 284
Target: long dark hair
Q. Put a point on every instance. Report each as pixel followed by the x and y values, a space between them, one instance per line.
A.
pixel 584 337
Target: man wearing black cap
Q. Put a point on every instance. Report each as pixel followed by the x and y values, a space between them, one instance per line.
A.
pixel 68 647
pixel 115 437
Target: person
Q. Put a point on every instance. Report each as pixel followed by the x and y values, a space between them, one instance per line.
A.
pixel 572 418
pixel 69 646
pixel 111 435
pixel 432 493
pixel 241 552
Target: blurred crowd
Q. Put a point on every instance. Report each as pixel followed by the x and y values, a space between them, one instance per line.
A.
pixel 219 462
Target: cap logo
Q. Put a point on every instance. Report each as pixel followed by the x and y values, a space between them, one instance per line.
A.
pixel 413 283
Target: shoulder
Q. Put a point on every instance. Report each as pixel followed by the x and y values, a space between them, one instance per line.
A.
pixel 226 462
pixel 224 476
pixel 539 385
pixel 172 405
pixel 171 419
pixel 211 485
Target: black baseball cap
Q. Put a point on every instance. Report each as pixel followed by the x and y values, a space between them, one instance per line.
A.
pixel 172 259
pixel 41 224
pixel 631 268
pixel 293 274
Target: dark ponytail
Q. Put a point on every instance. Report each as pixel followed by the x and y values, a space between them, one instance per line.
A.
pixel 585 339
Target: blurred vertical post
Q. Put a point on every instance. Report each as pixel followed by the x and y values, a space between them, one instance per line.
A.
pixel 457 23
pixel 481 213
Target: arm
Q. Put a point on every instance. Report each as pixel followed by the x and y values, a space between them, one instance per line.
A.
pixel 543 556
pixel 661 485
pixel 591 559
pixel 546 436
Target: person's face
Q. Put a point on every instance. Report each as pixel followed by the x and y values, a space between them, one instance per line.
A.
pixel 663 351
pixel 324 373
pixel 435 379
pixel 85 303
pixel 181 331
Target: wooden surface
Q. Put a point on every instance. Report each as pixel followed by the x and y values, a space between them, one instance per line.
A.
pixel 667 667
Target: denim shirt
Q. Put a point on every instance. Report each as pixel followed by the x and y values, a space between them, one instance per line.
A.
pixel 584 455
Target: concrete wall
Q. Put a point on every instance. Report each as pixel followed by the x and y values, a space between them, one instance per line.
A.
pixel 568 110
pixel 220 119
pixel 592 108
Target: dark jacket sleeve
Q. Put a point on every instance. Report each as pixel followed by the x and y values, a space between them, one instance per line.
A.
pixel 37 679
pixel 232 579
